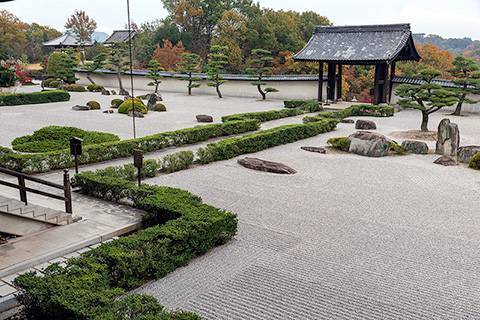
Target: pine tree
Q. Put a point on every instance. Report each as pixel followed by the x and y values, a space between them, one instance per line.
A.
pixel 154 68
pixel 116 58
pixel 259 66
pixel 466 82
pixel 216 61
pixel 65 67
pixel 428 97
pixel 98 63
pixel 189 65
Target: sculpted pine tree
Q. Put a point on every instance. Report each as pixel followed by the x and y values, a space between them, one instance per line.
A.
pixel 116 60
pixel 189 65
pixel 466 80
pixel 154 68
pixel 259 66
pixel 428 97
pixel 65 67
pixel 216 61
pixel 98 63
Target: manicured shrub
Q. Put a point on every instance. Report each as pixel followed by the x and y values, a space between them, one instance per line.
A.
pixel 354 110
pixel 115 103
pixel 475 162
pixel 113 92
pixel 53 64
pixel 126 106
pixel 159 107
pixel 397 148
pixel 46 83
pixel 310 106
pixel 177 161
pixel 95 88
pixel 53 84
pixel 264 115
pixel 73 87
pixel 338 143
pixel 58 138
pixel 94 105
pixel 14 99
pixel 254 142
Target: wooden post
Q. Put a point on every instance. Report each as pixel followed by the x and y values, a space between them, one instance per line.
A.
pixel 21 187
pixel 339 82
pixel 68 191
pixel 392 75
pixel 320 81
pixel 331 81
pixel 380 91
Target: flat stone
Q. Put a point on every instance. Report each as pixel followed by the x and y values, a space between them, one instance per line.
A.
pixel 465 154
pixel 446 161
pixel 415 146
pixel 365 125
pixel 368 144
pixel 448 138
pixel 267 166
pixel 6 289
pixel 123 92
pixel 81 108
pixel 314 149
pixel 108 111
pixel 347 121
pixel 137 114
pixel 204 118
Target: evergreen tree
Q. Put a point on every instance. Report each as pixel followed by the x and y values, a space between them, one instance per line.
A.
pixel 216 61
pixel 98 63
pixel 466 81
pixel 65 67
pixel 189 65
pixel 427 97
pixel 154 68
pixel 259 66
pixel 116 58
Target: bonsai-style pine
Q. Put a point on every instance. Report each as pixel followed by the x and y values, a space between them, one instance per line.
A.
pixel 466 82
pixel 154 68
pixel 98 63
pixel 189 65
pixel 65 67
pixel 117 61
pixel 428 97
pixel 216 61
pixel 259 66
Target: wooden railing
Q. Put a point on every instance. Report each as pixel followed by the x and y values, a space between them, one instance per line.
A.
pixel 67 190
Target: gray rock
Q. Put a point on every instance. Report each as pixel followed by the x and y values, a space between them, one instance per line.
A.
pixel 80 108
pixel 347 121
pixel 106 92
pixel 108 111
pixel 465 154
pixel 314 149
pixel 152 99
pixel 448 138
pixel 368 144
pixel 365 125
pixel 267 166
pixel 137 114
pixel 446 161
pixel 123 92
pixel 204 118
pixel 415 146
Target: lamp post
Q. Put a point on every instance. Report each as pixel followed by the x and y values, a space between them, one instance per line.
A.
pixel 76 150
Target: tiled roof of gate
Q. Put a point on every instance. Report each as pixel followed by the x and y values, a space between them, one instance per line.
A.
pixel 120 36
pixel 360 44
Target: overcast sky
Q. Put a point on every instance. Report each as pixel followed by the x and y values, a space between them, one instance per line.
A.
pixel 448 19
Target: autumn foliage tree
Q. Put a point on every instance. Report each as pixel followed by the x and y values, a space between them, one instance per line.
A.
pixel 432 58
pixel 169 56
pixel 82 25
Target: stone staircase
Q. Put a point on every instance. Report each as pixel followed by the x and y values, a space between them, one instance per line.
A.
pixel 20 219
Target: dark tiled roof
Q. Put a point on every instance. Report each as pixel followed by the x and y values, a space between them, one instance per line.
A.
pixel 67 39
pixel 120 36
pixel 360 44
pixel 417 81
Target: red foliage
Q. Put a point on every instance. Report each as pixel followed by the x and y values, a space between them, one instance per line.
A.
pixel 169 56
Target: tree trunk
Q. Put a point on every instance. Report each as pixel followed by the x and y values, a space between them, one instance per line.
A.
pixel 218 87
pixel 264 95
pixel 190 86
pixel 119 80
pixel 458 109
pixel 156 87
pixel 90 79
pixel 424 126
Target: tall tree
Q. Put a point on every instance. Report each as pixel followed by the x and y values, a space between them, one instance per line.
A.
pixel 259 68
pixel 12 35
pixel 154 69
pixel 82 25
pixel 99 61
pixel 188 66
pixel 216 62
pixel 66 64
pixel 466 80
pixel 170 55
pixel 117 60
pixel 432 58
pixel 428 97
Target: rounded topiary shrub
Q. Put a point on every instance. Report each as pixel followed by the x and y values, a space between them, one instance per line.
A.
pixel 115 103
pixel 95 88
pixel 94 105
pixel 159 107
pixel 475 162
pixel 126 106
pixel 73 87
pixel 113 92
pixel 53 83
pixel 53 63
pixel 338 143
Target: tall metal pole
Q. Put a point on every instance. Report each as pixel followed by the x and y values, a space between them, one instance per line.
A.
pixel 131 67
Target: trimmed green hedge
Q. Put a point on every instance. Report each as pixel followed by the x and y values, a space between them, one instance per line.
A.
pixel 92 286
pixel 352 111
pixel 307 105
pixel 31 163
pixel 265 115
pixel 232 147
pixel 15 99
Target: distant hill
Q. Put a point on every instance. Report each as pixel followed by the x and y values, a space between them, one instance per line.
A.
pixel 456 46
pixel 100 36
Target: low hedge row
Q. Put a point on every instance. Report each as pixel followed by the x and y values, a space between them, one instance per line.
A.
pixel 265 115
pixel 307 105
pixel 31 163
pixel 232 147
pixel 90 287
pixel 352 111
pixel 14 99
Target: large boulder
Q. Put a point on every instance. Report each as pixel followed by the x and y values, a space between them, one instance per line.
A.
pixel 124 92
pixel 137 114
pixel 368 144
pixel 314 149
pixel 267 166
pixel 80 108
pixel 465 154
pixel 448 138
pixel 152 99
pixel 105 92
pixel 446 161
pixel 365 125
pixel 415 146
pixel 204 118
